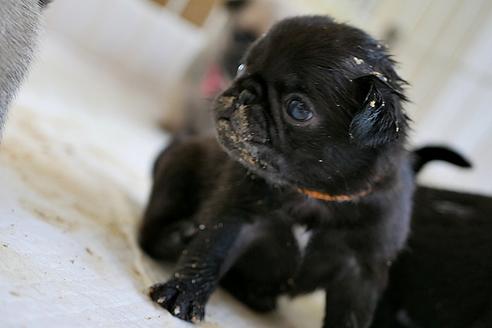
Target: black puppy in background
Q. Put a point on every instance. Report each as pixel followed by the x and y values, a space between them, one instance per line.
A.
pixel 310 187
pixel 443 277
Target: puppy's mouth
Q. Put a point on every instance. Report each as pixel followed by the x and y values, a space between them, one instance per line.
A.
pixel 238 146
pixel 243 133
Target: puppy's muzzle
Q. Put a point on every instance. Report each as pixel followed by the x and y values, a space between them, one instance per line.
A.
pixel 245 114
pixel 228 103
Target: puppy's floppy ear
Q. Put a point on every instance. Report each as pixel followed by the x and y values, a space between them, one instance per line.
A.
pixel 380 119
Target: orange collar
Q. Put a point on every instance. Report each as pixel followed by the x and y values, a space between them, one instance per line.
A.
pixel 334 198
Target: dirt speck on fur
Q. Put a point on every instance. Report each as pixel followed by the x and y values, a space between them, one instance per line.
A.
pixel 379 75
pixel 227 102
pixel 358 61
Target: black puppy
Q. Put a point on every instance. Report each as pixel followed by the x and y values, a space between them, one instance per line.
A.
pixel 314 187
pixel 443 278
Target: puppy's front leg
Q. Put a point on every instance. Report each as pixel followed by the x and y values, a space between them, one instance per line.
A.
pixel 351 300
pixel 200 267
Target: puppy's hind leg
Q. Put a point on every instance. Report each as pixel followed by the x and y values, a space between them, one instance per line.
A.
pixel 258 297
pixel 168 225
pixel 351 300
pixel 263 272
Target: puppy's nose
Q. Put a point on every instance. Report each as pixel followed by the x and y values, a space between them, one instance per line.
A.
pixel 246 97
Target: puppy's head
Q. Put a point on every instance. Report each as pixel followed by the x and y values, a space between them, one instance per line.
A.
pixel 315 104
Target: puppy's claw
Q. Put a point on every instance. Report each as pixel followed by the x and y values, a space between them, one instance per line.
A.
pixel 177 310
pixel 197 312
pixel 179 300
pixel 162 295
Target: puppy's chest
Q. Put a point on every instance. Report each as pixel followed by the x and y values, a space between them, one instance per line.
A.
pixel 302 236
pixel 303 219
pixel 307 213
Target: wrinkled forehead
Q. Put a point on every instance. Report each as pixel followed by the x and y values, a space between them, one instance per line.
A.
pixel 290 70
pixel 300 49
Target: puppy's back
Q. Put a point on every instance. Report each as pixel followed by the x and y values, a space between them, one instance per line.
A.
pixel 443 278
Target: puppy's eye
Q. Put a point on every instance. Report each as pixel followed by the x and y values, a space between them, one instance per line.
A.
pixel 241 69
pixel 299 110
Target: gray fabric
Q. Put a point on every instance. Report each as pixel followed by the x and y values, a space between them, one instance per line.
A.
pixel 44 3
pixel 18 29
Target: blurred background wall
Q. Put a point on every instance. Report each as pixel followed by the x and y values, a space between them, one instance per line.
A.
pixel 443 47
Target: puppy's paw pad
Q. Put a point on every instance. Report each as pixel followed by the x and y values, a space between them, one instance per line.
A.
pixel 179 300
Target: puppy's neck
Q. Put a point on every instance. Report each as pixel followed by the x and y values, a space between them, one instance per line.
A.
pixel 338 198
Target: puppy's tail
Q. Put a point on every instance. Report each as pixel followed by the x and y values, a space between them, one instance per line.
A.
pixel 424 155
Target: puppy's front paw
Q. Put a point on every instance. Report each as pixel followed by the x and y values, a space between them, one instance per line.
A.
pixel 180 299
